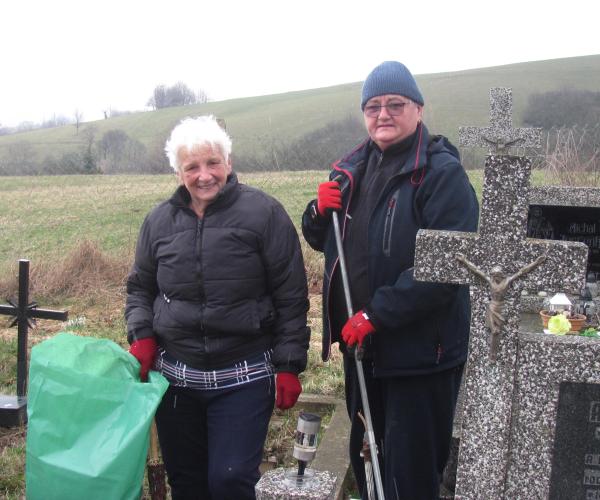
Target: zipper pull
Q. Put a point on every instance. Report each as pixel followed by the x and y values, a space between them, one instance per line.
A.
pixel 439 354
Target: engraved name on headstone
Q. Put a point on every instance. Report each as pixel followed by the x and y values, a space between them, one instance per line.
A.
pixel 570 214
pixel 576 460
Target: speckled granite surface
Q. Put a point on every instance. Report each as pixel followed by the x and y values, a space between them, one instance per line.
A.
pixel 565 196
pixel 544 361
pixel 500 137
pixel 273 486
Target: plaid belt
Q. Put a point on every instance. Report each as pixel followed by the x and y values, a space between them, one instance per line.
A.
pixel 181 375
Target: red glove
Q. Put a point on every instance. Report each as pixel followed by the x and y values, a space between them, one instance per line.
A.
pixel 357 328
pixel 144 351
pixel 329 196
pixel 288 389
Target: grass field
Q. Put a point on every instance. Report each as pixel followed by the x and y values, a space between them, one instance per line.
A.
pixel 79 233
pixel 452 99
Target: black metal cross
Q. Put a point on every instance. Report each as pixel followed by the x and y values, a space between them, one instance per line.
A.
pixel 13 409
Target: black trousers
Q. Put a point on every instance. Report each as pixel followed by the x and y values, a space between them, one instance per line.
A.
pixel 412 420
pixel 212 441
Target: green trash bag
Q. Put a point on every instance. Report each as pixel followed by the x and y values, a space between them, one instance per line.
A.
pixel 89 419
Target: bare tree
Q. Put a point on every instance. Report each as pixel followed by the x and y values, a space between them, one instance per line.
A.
pixel 177 95
pixel 159 97
pixel 78 115
pixel 120 153
pixel 572 155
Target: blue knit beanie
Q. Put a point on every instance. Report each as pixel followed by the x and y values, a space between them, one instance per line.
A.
pixel 390 77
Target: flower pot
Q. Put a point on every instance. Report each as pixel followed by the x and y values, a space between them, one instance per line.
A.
pixel 577 320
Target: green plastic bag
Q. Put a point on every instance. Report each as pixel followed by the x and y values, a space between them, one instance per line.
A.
pixel 89 418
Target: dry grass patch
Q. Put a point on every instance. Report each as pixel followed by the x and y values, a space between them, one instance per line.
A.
pixel 86 272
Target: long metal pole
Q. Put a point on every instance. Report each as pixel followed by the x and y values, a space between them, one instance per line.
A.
pixel 358 362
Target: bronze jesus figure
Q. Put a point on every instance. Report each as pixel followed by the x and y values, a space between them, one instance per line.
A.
pixel 499 283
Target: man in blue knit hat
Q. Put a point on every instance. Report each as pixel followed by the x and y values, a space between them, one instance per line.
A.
pixel 414 335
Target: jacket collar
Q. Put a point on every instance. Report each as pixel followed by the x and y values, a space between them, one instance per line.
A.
pixel 416 159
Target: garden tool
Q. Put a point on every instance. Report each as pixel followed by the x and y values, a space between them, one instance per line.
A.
pixel 359 369
pixel 365 453
pixel 156 469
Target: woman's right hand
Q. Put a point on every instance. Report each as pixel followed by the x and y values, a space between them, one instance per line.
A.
pixel 144 351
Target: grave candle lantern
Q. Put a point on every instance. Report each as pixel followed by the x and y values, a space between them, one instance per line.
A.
pixel 305 447
pixel 560 303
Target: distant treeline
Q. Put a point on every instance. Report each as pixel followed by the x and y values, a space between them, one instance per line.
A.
pixel 115 152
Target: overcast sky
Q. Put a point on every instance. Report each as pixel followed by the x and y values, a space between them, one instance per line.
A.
pixel 61 55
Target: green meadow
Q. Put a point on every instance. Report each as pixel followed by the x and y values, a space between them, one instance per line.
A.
pixel 80 232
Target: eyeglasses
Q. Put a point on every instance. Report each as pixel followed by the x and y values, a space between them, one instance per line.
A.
pixel 393 109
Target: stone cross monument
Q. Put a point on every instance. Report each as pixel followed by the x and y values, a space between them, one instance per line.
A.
pixel 500 248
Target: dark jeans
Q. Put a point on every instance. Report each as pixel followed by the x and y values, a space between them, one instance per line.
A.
pixel 412 420
pixel 212 441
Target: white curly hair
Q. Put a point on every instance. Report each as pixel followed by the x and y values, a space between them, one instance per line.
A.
pixel 193 132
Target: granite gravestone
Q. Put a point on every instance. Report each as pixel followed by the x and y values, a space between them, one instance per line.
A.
pixel 567 214
pixel 490 386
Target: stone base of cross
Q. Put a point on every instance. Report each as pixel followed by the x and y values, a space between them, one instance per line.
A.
pixel 13 411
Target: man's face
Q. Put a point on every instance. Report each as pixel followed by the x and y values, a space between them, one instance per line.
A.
pixel 391 118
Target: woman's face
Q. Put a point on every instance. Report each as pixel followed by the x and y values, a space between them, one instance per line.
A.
pixel 203 171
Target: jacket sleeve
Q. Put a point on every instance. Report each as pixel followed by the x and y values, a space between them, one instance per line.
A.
pixel 446 201
pixel 142 288
pixel 314 230
pixel 286 278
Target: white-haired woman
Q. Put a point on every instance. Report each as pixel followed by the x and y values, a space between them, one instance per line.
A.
pixel 217 302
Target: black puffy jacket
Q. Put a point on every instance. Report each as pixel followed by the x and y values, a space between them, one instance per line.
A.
pixel 218 289
pixel 420 327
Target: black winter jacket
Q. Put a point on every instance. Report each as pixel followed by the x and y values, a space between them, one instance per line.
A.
pixel 420 327
pixel 218 289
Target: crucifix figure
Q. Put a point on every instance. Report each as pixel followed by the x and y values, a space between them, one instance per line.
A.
pixel 499 283
pixel 501 241
pixel 13 409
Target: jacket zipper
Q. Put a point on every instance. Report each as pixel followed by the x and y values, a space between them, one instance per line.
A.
pixel 199 234
pixel 389 219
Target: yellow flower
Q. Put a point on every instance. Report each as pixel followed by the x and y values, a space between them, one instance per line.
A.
pixel 559 324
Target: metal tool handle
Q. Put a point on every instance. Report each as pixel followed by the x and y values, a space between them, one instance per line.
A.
pixel 358 362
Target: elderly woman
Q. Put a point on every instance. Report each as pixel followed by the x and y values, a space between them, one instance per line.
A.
pixel 217 302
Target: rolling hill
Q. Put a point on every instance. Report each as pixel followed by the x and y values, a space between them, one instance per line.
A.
pixel 452 99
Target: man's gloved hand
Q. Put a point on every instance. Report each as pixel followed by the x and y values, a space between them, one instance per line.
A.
pixel 329 197
pixel 144 351
pixel 357 328
pixel 288 389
